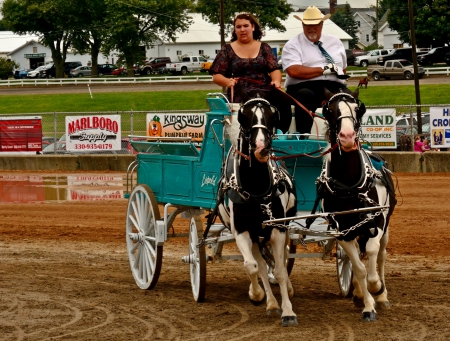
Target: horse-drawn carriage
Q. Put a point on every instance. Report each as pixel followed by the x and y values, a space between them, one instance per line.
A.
pixel 192 178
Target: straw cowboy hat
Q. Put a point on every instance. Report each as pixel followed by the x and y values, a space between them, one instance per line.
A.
pixel 312 16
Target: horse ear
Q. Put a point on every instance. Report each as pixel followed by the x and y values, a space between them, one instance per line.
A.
pixel 355 94
pixel 283 102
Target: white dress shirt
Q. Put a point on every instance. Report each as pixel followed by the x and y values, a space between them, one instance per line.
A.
pixel 301 51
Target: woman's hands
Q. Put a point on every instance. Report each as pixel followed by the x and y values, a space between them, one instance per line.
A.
pixel 276 84
pixel 231 82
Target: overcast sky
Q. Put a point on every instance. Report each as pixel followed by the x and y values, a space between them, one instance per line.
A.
pixel 326 3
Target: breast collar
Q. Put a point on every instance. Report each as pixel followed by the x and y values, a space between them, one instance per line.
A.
pixel 363 185
pixel 233 184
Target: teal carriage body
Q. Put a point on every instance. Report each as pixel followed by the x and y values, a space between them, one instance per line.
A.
pixel 181 174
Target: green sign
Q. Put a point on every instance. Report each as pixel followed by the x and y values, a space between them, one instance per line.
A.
pixel 35 55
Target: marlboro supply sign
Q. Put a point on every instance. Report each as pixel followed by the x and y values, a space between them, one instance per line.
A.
pixel 93 133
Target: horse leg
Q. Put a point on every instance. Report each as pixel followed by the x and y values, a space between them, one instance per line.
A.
pixel 244 243
pixel 374 282
pixel 278 243
pixel 360 273
pixel 382 300
pixel 272 304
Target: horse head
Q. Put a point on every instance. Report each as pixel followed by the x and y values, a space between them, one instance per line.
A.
pixel 258 120
pixel 343 112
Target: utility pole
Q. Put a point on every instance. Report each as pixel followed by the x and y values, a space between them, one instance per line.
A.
pixel 416 72
pixel 222 24
pixel 376 25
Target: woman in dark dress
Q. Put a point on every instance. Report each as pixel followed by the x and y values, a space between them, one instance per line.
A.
pixel 246 60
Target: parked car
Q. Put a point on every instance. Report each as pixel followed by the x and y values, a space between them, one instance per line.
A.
pixel 69 66
pixel 49 71
pixel 394 68
pixel 35 72
pixel 370 58
pixel 105 69
pixel 121 71
pixel 206 65
pixel 436 55
pixel 153 65
pixel 404 128
pixel 404 53
pixel 55 148
pixel 81 71
pixel 22 73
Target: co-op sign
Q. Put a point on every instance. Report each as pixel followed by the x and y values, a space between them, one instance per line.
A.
pixel 378 127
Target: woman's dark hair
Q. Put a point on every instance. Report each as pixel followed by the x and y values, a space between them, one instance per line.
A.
pixel 257 33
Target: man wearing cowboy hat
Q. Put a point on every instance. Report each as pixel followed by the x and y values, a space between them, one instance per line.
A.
pixel 313 61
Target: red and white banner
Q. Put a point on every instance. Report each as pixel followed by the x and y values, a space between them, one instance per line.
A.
pixel 93 133
pixel 21 134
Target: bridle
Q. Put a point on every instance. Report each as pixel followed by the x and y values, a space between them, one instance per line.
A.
pixel 246 134
pixel 343 97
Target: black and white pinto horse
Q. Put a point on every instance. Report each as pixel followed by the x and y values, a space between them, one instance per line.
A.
pixel 257 188
pixel 350 181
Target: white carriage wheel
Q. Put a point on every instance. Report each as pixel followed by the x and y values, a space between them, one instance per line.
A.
pixel 197 261
pixel 144 255
pixel 344 272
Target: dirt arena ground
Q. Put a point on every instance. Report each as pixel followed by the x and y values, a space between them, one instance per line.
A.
pixel 65 275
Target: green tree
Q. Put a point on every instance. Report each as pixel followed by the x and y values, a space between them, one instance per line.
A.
pixel 4 25
pixel 343 17
pixel 431 23
pixel 135 23
pixel 6 67
pixel 269 12
pixel 89 30
pixel 48 19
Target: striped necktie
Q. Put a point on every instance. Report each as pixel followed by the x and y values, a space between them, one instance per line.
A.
pixel 325 53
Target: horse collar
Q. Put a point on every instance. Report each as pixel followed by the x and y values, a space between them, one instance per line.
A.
pixel 336 188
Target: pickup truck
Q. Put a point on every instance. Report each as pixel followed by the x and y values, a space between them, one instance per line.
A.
pixel 394 68
pixel 153 65
pixel 370 58
pixel 187 64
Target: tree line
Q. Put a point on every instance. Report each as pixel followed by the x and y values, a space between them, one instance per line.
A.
pixel 103 26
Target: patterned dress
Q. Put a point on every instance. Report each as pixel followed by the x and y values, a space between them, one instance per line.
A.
pixel 230 65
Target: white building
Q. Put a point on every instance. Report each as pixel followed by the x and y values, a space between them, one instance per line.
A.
pixel 29 53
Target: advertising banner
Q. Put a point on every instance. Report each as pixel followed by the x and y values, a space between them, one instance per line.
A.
pixel 21 134
pixel 378 127
pixel 440 127
pixel 93 133
pixel 176 125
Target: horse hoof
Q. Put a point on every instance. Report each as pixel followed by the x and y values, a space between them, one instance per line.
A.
pixel 369 316
pixel 287 321
pixel 383 305
pixel 358 302
pixel 257 303
pixel 273 312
